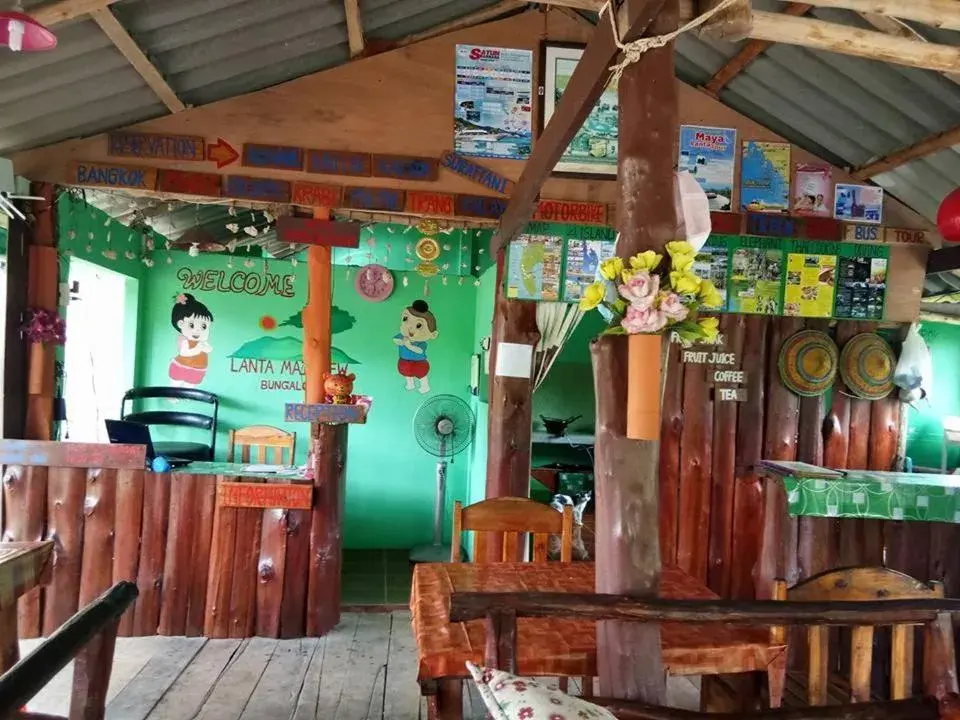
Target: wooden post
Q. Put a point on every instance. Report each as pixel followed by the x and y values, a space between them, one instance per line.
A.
pixel 316 316
pixel 628 545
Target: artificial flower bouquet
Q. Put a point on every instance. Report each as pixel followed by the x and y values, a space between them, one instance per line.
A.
pixel 646 296
pixel 44 326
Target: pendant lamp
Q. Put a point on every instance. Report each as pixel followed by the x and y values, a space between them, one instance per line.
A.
pixel 19 31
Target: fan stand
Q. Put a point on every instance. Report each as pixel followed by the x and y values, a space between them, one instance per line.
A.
pixel 437 551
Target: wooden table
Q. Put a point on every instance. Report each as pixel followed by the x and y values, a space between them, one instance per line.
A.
pixel 23 567
pixel 550 647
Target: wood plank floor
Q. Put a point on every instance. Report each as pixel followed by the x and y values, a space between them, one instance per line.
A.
pixel 363 670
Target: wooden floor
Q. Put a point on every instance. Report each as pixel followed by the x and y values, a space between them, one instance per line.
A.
pixel 364 670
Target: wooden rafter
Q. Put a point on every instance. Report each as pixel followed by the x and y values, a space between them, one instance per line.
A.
pixel 937 13
pixel 351 9
pixel 921 149
pixel 731 24
pixel 131 51
pixel 488 14
pixel 893 26
pixel 63 10
pixel 591 5
pixel 750 52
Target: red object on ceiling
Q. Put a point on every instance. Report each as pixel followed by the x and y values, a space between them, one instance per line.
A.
pixel 19 31
pixel 948 217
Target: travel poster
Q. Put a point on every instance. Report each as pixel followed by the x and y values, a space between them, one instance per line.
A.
pixel 709 154
pixel 593 150
pixel 811 279
pixel 813 190
pixel 533 271
pixel 711 264
pixel 858 203
pixel 494 102
pixel 765 177
pixel 756 277
pixel 583 258
pixel 862 281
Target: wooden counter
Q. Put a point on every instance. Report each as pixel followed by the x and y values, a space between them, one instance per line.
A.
pixel 203 567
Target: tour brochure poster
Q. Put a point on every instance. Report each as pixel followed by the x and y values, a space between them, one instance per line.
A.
pixel 534 268
pixel 810 285
pixel 709 154
pixel 765 177
pixel 583 262
pixel 756 280
pixel 861 288
pixel 711 264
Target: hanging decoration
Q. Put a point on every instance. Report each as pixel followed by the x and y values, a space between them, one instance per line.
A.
pixel 45 327
pixel 374 283
pixel 21 33
pixel 556 322
pixel 948 217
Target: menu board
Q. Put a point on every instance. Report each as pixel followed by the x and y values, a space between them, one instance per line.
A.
pixel 811 279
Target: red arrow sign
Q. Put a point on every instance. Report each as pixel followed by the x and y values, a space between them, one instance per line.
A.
pixel 222 153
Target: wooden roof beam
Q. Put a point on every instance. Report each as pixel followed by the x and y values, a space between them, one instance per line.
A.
pixel 351 9
pixel 487 14
pixel 748 53
pixel 820 35
pixel 131 51
pixel 892 26
pixel 63 10
pixel 937 13
pixel 925 147
pixel 582 92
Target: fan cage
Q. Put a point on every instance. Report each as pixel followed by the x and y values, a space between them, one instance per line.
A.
pixel 427 418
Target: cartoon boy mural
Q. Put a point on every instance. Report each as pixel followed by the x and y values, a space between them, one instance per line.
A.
pixel 192 320
pixel 417 327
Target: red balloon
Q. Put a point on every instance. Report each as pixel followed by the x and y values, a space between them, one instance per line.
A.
pixel 948 217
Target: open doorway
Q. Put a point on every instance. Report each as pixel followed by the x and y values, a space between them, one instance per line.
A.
pixel 99 354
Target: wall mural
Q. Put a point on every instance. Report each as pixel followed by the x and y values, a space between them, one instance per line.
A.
pixel 192 321
pixel 418 326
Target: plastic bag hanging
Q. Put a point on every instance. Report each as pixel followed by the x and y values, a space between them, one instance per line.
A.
pixel 693 209
pixel 914 371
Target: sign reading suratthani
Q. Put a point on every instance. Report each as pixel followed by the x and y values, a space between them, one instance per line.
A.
pixel 283 496
pixel 151 145
pixel 114 176
pixel 476 173
pixel 589 213
pixel 325 233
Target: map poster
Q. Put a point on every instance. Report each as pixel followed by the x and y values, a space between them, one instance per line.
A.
pixel 583 260
pixel 709 154
pixel 811 280
pixel 493 102
pixel 813 190
pixel 861 281
pixel 858 203
pixel 711 264
pixel 593 150
pixel 765 177
pixel 533 272
pixel 756 277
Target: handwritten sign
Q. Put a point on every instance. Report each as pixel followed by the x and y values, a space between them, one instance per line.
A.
pixel 239 281
pixel 905 235
pixel 775 225
pixel 405 167
pixel 704 357
pixel 476 173
pixel 283 496
pixel 726 223
pixel 326 233
pixel 730 394
pixel 72 454
pixel 189 183
pixel 278 157
pixel 730 376
pixel 251 188
pixel 365 198
pixel 322 412
pixel 863 233
pixel 336 162
pixel 429 203
pixel 308 194
pixel 222 153
pixel 115 176
pixel 482 206
pixel 150 145
pixel 571 212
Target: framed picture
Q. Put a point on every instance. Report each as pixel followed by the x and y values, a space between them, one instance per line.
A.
pixel 593 150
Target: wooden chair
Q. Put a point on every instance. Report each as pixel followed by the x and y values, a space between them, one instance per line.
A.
pixel 820 686
pixel 514 517
pixel 263 437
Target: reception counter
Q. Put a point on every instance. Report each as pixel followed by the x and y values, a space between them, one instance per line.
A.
pixel 214 549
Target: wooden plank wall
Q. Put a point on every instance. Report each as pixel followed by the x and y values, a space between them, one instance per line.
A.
pixel 711 502
pixel 158 530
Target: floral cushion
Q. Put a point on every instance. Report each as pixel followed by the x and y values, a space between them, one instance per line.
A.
pixel 508 697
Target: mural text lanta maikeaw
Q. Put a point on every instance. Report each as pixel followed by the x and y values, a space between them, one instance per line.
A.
pixel 238 281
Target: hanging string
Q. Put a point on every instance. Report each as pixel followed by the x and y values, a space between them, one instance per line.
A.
pixel 633 50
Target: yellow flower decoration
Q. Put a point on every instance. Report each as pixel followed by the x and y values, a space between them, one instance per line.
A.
pixel 682 263
pixel 710 327
pixel 680 247
pixel 611 268
pixel 684 283
pixel 647 260
pixel 592 296
pixel 709 295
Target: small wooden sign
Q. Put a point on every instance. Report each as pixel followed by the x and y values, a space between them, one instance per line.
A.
pixel 724 223
pixel 588 213
pixel 482 206
pixel 113 176
pixel 325 233
pixel 336 162
pixel 819 228
pixel 154 145
pixel 73 454
pixel 708 357
pixel 429 203
pixel 737 377
pixel 308 194
pixel 476 173
pixel 905 235
pixel 772 225
pixel 367 198
pixel 405 167
pixel 253 188
pixel 282 496
pixel 190 183
pixel 222 153
pixel 730 394
pixel 278 157
pixel 863 233
pixel 325 412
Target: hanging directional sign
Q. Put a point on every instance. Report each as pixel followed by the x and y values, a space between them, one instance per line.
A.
pixel 190 183
pixel 277 157
pixel 222 153
pixel 113 176
pixel 326 233
pixel 254 188
pixel 153 145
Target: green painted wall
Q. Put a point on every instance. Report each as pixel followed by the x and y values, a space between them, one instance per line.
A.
pixel 925 435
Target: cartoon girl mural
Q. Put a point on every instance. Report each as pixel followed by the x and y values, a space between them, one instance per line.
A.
pixel 192 320
pixel 417 327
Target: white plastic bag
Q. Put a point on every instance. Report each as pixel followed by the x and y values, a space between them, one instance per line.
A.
pixel 693 209
pixel 914 371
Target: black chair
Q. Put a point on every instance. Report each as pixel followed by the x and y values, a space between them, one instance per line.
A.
pixel 177 418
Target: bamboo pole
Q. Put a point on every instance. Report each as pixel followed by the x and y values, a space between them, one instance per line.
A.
pixel 938 13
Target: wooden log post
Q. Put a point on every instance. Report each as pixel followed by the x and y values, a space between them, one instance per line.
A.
pixel 627 482
pixel 316 316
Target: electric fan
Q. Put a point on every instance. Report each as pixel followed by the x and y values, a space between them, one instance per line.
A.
pixel 443 426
